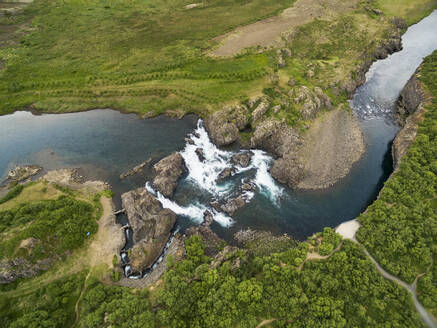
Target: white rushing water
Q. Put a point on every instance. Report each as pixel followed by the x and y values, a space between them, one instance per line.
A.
pixel 204 172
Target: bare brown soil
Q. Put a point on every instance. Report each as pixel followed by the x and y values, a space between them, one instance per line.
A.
pixel 267 32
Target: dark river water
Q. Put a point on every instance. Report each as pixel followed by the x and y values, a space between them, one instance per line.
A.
pixel 106 143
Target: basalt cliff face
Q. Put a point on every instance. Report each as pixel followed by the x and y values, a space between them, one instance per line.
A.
pixel 409 112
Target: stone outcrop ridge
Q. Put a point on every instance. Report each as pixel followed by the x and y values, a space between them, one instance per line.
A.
pixel 137 169
pixel 151 225
pixel 11 270
pixel 410 110
pixel 224 126
pixel 168 172
pixel 319 157
pixel 21 173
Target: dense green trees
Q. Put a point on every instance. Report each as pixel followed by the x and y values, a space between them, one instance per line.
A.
pixel 116 306
pixel 400 228
pixel 51 305
pixel 55 227
pixel 343 291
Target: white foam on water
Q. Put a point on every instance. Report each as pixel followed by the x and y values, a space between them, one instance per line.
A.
pixel 261 161
pixel 222 219
pixel 195 211
pixel 204 174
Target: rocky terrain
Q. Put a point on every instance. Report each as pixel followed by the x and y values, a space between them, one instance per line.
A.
pixel 11 270
pixel 410 110
pixel 319 156
pixel 151 225
pixel 21 173
pixel 168 171
pixel 224 126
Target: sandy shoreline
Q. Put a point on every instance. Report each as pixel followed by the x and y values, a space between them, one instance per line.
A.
pixel 348 229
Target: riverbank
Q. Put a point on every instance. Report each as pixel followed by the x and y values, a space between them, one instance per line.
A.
pixel 389 230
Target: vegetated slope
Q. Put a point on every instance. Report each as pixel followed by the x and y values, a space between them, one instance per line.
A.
pixel 40 224
pixel 343 291
pixel 237 289
pixel 400 228
pixel 78 51
pixel 150 57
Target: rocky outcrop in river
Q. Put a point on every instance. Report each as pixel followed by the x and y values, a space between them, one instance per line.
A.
pixel 151 225
pixel 21 173
pixel 168 172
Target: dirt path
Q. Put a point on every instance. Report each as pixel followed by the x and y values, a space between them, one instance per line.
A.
pixel 267 32
pixel 265 322
pixel 426 317
pixel 76 306
pixel 348 231
pixel 109 239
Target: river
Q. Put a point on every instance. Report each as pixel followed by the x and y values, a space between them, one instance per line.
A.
pixel 106 143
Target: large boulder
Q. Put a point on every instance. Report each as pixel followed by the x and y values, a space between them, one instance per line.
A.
pixel 275 137
pixel 232 205
pixel 223 126
pixel 151 225
pixel 168 171
pixel 242 159
pixel 260 110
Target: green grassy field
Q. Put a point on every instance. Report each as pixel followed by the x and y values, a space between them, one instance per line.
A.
pixel 138 55
pixel 411 10
pixel 151 57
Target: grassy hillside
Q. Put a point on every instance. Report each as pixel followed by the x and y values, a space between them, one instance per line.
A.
pixel 42 221
pixel 151 56
pixel 137 55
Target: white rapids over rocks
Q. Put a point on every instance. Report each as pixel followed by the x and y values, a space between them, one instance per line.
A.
pixel 203 174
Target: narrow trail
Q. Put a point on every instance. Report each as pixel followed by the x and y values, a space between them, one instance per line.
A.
pixel 76 306
pixel 317 256
pixel 426 317
pixel 265 322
